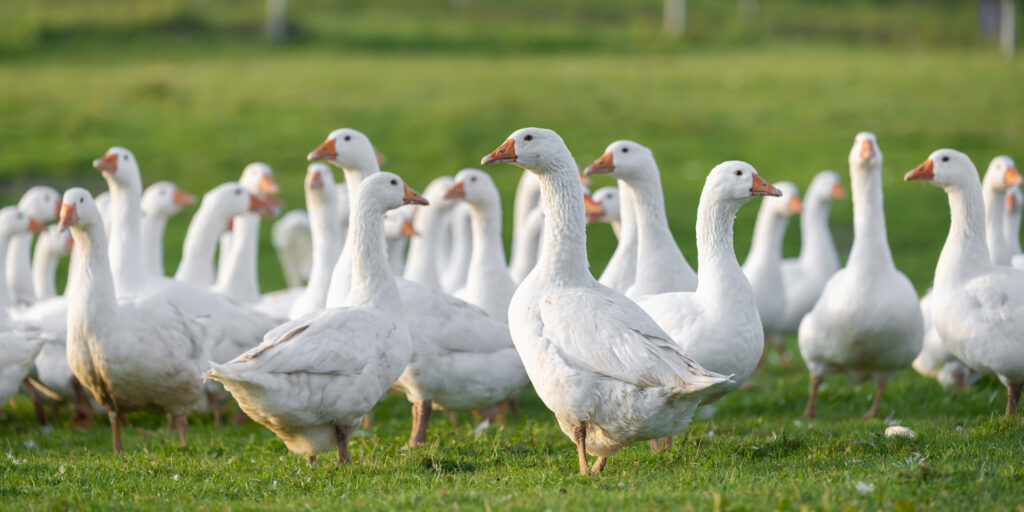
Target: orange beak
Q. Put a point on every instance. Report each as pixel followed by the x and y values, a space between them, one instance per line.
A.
pixel 268 186
pixel 506 153
pixel 925 171
pixel 795 205
pixel 35 226
pixel 56 210
pixel 603 165
pixel 838 192
pixel 593 209
pixel 316 180
pixel 458 191
pixel 585 180
pixel 413 197
pixel 762 188
pixel 867 150
pixel 267 207
pixel 106 164
pixel 231 224
pixel 68 216
pixel 324 151
pixel 407 229
pixel 1011 201
pixel 1012 177
pixel 182 198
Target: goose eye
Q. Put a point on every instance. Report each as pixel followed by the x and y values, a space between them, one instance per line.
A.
pixel 473 179
pixel 528 137
pixel 739 172
pixel 625 150
pixel 394 182
pixel 124 157
pixel 238 192
pixel 348 137
pixel 81 200
pixel 945 159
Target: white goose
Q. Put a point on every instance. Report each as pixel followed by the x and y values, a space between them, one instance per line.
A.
pixel 160 201
pixel 430 223
pixel 452 340
pixel 867 323
pixel 17 352
pixel 292 239
pixel 488 282
pixel 42 204
pixel 660 265
pixel 312 379
pixel 1011 225
pixel 1001 174
pixel 806 275
pixel 142 354
pixel 763 266
pixel 322 204
pixel 977 306
pixel 605 208
pixel 607 371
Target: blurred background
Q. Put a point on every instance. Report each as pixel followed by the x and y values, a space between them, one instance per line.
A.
pixel 199 88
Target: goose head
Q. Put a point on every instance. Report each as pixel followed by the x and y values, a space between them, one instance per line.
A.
pixel 604 205
pixel 738 182
pixel 385 191
pixel 535 149
pixel 119 168
pixel 945 168
pixel 258 178
pixel 825 187
pixel 1014 200
pixel 320 181
pixel 348 149
pixel 79 211
pixel 865 153
pixel 41 203
pixel 1001 174
pixel 232 198
pixel 55 241
pixel 398 223
pixel 164 199
pixel 13 221
pixel 473 186
pixel 626 160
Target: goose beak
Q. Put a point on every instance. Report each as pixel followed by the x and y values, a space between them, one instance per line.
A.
pixel 458 191
pixel 838 192
pixel 763 188
pixel 407 229
pixel 413 197
pixel 593 209
pixel 266 207
pixel 585 180
pixel 35 226
pixel 316 180
pixel 106 164
pixel 231 225
pixel 68 216
pixel 925 171
pixel 182 198
pixel 1011 201
pixel 867 150
pixel 381 159
pixel 506 153
pixel 56 209
pixel 324 151
pixel 795 205
pixel 268 186
pixel 603 165
pixel 1012 177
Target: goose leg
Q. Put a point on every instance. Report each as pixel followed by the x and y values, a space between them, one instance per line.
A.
pixel 170 425
pixel 598 465
pixel 873 411
pixel 420 417
pixel 1012 397
pixel 312 460
pixel 342 435
pixel 82 413
pixel 115 426
pixel 579 434
pixel 654 445
pixel 660 444
pixel 453 417
pixel 489 414
pixel 216 404
pixel 815 382
pixel 367 420
pixel 181 421
pixel 780 348
pixel 37 402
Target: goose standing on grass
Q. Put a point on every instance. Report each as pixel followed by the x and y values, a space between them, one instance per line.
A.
pixel 160 201
pixel 142 354
pixel 1001 174
pixel 977 306
pixel 608 372
pixel 867 322
pixel 322 204
pixel 1011 225
pixel 240 279
pixel 763 266
pixel 452 340
pixel 292 239
pixel 42 204
pixel 429 222
pixel 806 275
pixel 488 282
pixel 660 265
pixel 605 208
pixel 312 379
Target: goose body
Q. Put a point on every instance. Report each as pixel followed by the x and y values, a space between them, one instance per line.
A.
pixel 17 351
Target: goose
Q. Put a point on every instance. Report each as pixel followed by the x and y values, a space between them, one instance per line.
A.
pixel 977 306
pixel 488 282
pixel 429 222
pixel 17 351
pixel 292 239
pixel 524 243
pixel 322 204
pixel 763 266
pixel 239 280
pixel 398 229
pixel 1001 174
pixel 160 201
pixel 42 204
pixel 660 265
pixel 805 276
pixel 1011 225
pixel 605 208
pixel 867 322
pixel 455 262
pixel 51 246
pixel 605 368
pixel 312 379
pixel 139 354
pixel 453 339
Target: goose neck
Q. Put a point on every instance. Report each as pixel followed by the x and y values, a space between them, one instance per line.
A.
pixel 563 255
pixel 488 254
pixel 197 264
pixel 125 242
pixel 769 232
pixel 870 240
pixel 718 272
pixel 326 240
pixel 92 303
pixel 1011 230
pixel 965 253
pixel 420 263
pixel 373 283
pixel 241 280
pixel 5 298
pixel 44 271
pixel 816 245
pixel 651 220
pixel 994 211
pixel 153 228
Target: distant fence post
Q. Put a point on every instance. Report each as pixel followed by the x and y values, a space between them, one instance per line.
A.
pixel 277 20
pixel 1007 27
pixel 675 17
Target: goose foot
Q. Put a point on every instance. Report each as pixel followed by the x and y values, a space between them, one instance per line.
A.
pixel 82 413
pixel 1012 397
pixel 420 417
pixel 579 434
pixel 598 465
pixel 342 435
pixel 367 420
pixel 508 406
pixel 37 402
pixel 815 383
pixel 490 414
pixel 873 411
pixel 312 460
pixel 115 427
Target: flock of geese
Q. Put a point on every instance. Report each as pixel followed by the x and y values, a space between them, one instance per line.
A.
pixel 393 290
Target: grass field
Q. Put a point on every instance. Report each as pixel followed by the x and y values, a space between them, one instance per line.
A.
pixel 188 87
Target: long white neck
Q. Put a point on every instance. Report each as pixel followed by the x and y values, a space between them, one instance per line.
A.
pixel 526 199
pixel 652 232
pixel 420 262
pixel 44 271
pixel 325 231
pixel 870 240
pixel 93 311
pixel 125 244
pixel 241 280
pixel 153 227
pixel 995 202
pixel 720 279
pixel 965 253
pixel 5 297
pixel 563 256
pixel 461 248
pixel 817 249
pixel 373 283
pixel 19 279
pixel 1011 231
pixel 769 232
pixel 197 263
pixel 488 258
pixel 621 269
pixel 341 278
